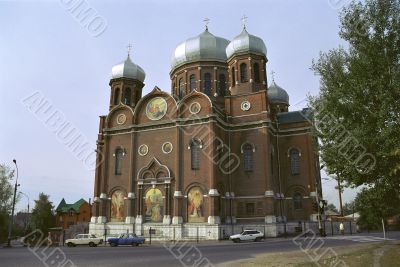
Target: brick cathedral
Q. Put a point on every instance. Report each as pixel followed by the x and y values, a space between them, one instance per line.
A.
pixel 220 150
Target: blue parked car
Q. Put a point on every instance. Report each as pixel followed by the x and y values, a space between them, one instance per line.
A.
pixel 126 239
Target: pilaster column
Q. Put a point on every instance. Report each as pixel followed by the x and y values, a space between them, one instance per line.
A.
pixel 139 203
pixel 178 199
pixel 167 216
pixel 199 82
pixel 130 218
pixel 213 218
pixel 215 83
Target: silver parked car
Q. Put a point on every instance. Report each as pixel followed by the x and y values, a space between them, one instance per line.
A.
pixel 84 239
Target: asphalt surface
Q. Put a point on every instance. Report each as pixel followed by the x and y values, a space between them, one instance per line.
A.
pixel 179 254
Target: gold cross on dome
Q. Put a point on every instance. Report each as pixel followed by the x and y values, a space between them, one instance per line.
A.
pixel 244 21
pixel 206 21
pixel 129 49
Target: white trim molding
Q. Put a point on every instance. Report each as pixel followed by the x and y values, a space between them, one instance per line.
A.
pixel 213 193
pixel 269 193
pixel 178 194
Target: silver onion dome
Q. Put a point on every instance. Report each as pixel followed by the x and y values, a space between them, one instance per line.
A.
pixel 204 47
pixel 246 43
pixel 128 69
pixel 277 95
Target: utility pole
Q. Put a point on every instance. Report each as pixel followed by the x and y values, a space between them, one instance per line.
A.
pixel 27 219
pixel 10 225
pixel 340 196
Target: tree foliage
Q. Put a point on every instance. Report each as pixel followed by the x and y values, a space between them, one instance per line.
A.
pixel 43 217
pixel 332 207
pixel 357 112
pixel 348 208
pixel 6 195
pixel 372 204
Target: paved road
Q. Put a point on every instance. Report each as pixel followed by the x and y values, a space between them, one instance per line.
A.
pixel 180 254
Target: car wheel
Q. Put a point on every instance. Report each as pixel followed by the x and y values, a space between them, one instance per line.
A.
pixel 91 244
pixel 70 244
pixel 113 244
pixel 237 240
pixel 257 239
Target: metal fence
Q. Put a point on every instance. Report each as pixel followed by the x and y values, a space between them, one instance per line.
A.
pixel 199 232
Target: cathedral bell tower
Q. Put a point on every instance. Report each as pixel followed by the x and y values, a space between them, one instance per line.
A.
pixel 126 83
pixel 247 59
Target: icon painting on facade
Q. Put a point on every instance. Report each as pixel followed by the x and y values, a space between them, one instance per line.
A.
pixel 195 205
pixel 154 205
pixel 156 108
pixel 117 206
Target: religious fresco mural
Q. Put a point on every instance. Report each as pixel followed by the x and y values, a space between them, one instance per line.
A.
pixel 117 206
pixel 195 205
pixel 156 108
pixel 154 204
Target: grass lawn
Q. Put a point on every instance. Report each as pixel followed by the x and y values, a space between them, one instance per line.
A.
pixel 358 255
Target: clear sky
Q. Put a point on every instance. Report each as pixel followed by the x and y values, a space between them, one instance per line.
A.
pixel 45 49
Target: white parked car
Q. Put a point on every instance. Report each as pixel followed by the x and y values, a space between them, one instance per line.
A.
pixel 84 239
pixel 247 235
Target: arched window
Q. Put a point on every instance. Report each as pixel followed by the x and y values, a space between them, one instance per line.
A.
pixel 243 73
pixel 119 154
pixel 221 85
pixel 233 77
pixel 192 82
pixel 116 96
pixel 127 96
pixel 298 201
pixel 207 84
pixel 295 160
pixel 256 70
pixel 248 157
pixel 195 154
pixel 181 88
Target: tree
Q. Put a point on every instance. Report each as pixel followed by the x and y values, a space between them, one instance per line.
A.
pixel 6 195
pixel 43 217
pixel 357 112
pixel 372 205
pixel 332 207
pixel 348 208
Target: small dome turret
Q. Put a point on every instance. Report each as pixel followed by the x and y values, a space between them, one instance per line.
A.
pixel 277 95
pixel 246 43
pixel 128 69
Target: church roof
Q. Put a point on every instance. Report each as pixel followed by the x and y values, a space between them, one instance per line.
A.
pixel 294 116
pixel 64 207
pixel 128 69
pixel 277 94
pixel 203 47
pixel 246 43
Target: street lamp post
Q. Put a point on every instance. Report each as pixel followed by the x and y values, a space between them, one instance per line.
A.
pixel 10 225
